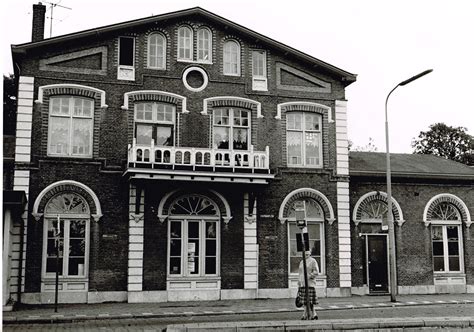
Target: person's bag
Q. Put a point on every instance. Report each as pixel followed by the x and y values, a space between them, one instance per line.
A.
pixel 298 300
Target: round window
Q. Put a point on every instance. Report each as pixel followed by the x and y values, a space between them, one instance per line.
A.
pixel 195 79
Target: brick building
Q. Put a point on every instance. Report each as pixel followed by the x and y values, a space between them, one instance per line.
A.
pixel 170 152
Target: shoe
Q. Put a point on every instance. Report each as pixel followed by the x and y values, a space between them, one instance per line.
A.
pixel 315 317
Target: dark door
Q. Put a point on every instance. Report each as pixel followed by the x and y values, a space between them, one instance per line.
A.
pixel 377 263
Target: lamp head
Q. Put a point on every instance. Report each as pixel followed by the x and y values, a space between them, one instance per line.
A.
pixel 411 79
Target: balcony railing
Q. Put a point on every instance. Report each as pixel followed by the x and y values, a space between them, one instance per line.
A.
pixel 170 157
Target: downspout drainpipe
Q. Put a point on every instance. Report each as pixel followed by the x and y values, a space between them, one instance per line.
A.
pixel 20 262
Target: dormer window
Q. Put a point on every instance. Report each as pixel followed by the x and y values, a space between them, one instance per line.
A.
pixel 156 51
pixel 231 58
pixel 185 44
pixel 204 45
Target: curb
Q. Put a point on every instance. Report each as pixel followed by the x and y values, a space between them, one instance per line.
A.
pixel 64 318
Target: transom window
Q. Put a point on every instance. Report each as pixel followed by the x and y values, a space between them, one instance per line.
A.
pixel 156 51
pixel 185 43
pixel 69 214
pixel 154 122
pixel 315 226
pixel 193 244
pixel 231 58
pixel 231 128
pixel 373 211
pixel 70 126
pixel 204 45
pixel 304 139
pixel 446 237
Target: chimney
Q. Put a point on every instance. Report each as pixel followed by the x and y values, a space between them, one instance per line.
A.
pixel 37 32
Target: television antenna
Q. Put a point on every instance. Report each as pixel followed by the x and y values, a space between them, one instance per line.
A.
pixel 51 7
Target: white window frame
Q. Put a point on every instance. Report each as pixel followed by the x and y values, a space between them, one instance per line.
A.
pixel 160 38
pixel 154 120
pixel 182 41
pixel 228 54
pixel 259 72
pixel 201 49
pixel 202 246
pixel 231 126
pixel 444 224
pixel 66 219
pixel 126 72
pixel 70 116
pixel 310 222
pixel 303 132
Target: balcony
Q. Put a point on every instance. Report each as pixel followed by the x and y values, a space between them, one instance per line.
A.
pixel 198 164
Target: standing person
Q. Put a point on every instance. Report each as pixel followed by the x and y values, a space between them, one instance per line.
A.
pixel 312 269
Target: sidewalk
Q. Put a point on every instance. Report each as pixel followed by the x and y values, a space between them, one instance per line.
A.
pixel 78 312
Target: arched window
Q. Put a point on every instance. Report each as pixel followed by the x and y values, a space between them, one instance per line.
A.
pixel 204 45
pixel 446 213
pixel 193 237
pixel 185 43
pixel 372 208
pixel 156 51
pixel 66 223
pixel 231 58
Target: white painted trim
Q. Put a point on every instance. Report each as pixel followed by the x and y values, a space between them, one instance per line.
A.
pixel 314 191
pixel 96 216
pixel 468 221
pixel 303 103
pixel 157 92
pixel 207 100
pixel 77 86
pixel 359 202
pixel 204 75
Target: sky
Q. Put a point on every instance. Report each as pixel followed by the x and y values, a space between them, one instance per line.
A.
pixel 384 42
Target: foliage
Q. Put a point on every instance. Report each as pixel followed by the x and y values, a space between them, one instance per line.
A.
pixel 369 147
pixel 9 105
pixel 445 141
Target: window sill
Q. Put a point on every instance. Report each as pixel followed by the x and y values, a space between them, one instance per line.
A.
pixel 182 278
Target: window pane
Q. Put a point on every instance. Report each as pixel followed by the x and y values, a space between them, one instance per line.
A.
pixel 312 121
pixel 82 136
pixel 454 263
pixel 164 136
pixel 126 51
pixel 193 256
pixel 438 263
pixel 211 266
pixel 294 141
pixel 76 266
pixel 144 134
pixel 204 43
pixel 312 148
pixel 83 107
pixel 315 248
pixel 175 265
pixel 175 229
pixel 294 264
pixel 175 247
pixel 221 137
pixel 453 248
pixel 59 139
pixel 231 58
pixel 438 248
pixel 211 230
pixel 211 248
pixel 221 117
pixel 77 247
pixel 437 233
pixel 240 139
pixel 314 231
pixel 51 266
pixel 193 230
pixel 453 233
pixel 294 121
pixel 77 228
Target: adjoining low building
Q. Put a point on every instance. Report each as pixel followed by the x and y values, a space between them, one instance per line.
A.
pixel 170 151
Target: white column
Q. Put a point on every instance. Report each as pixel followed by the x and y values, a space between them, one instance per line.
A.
pixel 250 245
pixel 21 178
pixel 344 234
pixel 135 246
pixel 342 145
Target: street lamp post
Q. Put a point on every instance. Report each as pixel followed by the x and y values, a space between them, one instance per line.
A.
pixel 391 230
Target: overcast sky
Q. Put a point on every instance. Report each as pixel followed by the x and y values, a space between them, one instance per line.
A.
pixel 383 42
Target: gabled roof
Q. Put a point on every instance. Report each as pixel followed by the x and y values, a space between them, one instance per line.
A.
pixel 345 76
pixel 407 165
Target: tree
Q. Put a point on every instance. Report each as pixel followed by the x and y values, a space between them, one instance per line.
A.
pixel 369 147
pixel 9 105
pixel 445 141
